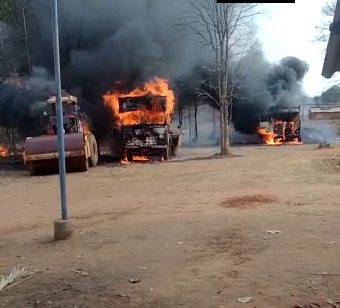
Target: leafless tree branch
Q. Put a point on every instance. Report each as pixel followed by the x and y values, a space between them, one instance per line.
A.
pixel 228 30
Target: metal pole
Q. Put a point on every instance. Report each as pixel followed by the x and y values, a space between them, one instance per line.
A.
pixel 59 110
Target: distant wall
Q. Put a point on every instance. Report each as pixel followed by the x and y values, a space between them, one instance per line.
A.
pixel 324 115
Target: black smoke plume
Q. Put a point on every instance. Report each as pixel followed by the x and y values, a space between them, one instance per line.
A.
pixel 101 42
pixel 260 86
pixel 265 86
pixel 105 41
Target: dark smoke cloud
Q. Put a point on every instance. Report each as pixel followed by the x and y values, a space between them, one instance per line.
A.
pixel 265 86
pixel 106 41
pixel 102 42
pixel 23 99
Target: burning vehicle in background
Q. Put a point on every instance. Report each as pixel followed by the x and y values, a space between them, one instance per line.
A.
pixel 143 119
pixel 281 126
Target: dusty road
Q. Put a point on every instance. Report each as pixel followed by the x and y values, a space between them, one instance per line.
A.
pixel 194 233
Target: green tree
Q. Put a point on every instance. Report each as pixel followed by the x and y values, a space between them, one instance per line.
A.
pixel 331 95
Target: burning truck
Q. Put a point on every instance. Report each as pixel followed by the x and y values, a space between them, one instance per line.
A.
pixel 280 126
pixel 143 121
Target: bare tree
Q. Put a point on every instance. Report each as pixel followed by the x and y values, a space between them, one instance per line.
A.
pixel 227 30
pixel 322 29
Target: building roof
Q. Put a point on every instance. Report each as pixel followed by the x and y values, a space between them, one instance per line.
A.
pixel 332 57
pixel 327 109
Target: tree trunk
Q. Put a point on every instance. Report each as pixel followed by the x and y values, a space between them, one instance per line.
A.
pixel 180 114
pixel 13 142
pixel 224 119
pixel 227 130
pixel 196 126
pixel 8 135
pixel 26 41
pixel 214 121
pixel 189 118
pixel 222 129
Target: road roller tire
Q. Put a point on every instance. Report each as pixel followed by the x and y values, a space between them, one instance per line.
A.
pixel 77 164
pixel 33 170
pixel 93 159
pixel 84 164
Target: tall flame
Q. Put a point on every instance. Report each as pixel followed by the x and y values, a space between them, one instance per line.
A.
pixel 157 87
pixel 4 151
pixel 269 137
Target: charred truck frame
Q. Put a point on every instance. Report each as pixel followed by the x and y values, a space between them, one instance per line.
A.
pixel 151 134
pixel 284 124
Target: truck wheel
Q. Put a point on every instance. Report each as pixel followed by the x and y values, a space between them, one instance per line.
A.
pixel 93 150
pixel 129 156
pixel 174 146
pixel 166 154
pixel 83 164
pixel 32 169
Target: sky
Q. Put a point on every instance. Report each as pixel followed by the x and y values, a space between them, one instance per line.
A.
pixel 287 30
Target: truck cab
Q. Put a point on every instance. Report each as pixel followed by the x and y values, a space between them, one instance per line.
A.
pixel 145 129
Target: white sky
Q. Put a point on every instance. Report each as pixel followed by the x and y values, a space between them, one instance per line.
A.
pixel 286 31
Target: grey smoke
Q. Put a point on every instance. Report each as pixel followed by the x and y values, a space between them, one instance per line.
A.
pixel 266 85
pixel 319 131
pixel 108 41
pixel 101 42
pixel 23 99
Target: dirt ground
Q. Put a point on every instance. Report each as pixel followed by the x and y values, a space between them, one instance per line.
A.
pixel 194 233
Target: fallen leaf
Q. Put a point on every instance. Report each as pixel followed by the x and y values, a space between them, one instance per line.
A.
pixel 325 274
pixel 134 280
pixel 77 271
pixel 244 300
pixel 274 231
pixel 81 272
pixel 334 303
pixel 179 243
pixel 122 295
pixel 40 271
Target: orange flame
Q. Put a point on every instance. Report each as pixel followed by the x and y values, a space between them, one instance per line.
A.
pixel 269 137
pixel 124 161
pixel 157 87
pixel 135 158
pixel 140 158
pixel 86 128
pixel 4 151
